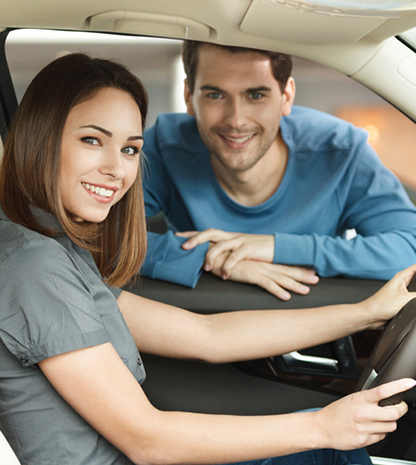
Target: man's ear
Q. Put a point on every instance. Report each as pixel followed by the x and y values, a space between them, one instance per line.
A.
pixel 188 99
pixel 288 97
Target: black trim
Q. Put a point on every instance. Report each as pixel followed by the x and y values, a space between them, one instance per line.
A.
pixel 400 39
pixel 3 125
pixel 8 99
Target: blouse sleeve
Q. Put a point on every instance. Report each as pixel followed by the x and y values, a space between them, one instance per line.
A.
pixel 46 305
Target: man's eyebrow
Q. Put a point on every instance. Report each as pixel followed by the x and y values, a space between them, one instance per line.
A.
pixel 208 87
pixel 259 89
pixel 248 91
pixel 109 133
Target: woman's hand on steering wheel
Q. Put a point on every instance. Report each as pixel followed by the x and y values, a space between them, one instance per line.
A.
pixel 358 420
pixel 391 298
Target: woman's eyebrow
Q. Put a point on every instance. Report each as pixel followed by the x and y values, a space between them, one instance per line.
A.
pixel 98 128
pixel 109 133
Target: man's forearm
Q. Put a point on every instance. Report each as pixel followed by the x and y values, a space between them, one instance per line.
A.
pixel 379 256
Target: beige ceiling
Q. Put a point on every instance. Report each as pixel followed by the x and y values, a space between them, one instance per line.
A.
pixel 356 42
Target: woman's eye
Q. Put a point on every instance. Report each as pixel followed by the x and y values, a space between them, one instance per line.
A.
pixel 90 140
pixel 131 150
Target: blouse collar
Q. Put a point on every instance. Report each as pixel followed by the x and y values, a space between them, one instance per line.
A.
pixel 45 219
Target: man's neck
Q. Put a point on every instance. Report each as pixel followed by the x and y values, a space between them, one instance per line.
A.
pixel 257 184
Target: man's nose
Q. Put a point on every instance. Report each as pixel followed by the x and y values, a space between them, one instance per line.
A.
pixel 235 114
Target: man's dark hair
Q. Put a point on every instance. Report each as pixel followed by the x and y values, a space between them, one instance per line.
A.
pixel 280 63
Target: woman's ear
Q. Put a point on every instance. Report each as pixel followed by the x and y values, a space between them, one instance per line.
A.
pixel 188 99
pixel 288 97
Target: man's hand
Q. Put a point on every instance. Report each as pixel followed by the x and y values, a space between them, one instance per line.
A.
pixel 357 420
pixel 240 246
pixel 276 279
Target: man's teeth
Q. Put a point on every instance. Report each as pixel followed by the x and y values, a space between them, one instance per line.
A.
pixel 241 140
pixel 98 190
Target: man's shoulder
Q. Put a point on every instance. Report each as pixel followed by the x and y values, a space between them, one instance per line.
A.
pixel 174 130
pixel 311 129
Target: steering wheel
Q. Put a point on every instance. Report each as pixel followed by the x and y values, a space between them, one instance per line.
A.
pixel 394 356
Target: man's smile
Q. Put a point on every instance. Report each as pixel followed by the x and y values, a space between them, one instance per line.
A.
pixel 237 142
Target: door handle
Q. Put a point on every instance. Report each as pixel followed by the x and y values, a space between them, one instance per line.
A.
pixel 297 361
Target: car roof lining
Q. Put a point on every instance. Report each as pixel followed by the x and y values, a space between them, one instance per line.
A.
pixel 234 22
pixel 225 22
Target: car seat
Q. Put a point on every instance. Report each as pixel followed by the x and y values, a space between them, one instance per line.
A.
pixel 7 456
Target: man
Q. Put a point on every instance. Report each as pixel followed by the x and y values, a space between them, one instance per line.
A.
pixel 270 187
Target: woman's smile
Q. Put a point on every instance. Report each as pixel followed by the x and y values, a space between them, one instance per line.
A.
pixel 101 193
pixel 100 155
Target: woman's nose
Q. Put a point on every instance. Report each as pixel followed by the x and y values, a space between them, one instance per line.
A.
pixel 113 165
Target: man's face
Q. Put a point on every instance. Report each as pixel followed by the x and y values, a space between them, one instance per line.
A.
pixel 238 105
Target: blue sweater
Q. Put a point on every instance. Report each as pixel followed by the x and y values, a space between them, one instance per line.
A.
pixel 334 181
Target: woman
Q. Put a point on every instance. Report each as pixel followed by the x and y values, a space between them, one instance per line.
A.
pixel 72 204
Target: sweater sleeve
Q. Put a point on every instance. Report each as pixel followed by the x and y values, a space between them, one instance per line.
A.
pixel 373 257
pixel 375 204
pixel 165 259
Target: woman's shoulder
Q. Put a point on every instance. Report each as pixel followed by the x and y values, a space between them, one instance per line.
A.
pixel 22 245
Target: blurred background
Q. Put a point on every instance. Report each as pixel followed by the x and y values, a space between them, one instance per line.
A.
pixel 158 64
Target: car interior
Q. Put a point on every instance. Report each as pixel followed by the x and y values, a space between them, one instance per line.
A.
pixel 354 59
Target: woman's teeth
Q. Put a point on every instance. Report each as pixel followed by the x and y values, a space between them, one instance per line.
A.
pixel 98 190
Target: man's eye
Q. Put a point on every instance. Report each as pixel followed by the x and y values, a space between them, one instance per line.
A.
pixel 90 140
pixel 131 150
pixel 256 95
pixel 214 95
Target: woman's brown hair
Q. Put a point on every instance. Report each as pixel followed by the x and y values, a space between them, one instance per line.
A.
pixel 29 174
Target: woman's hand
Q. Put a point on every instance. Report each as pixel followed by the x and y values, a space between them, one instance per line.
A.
pixel 357 420
pixel 390 299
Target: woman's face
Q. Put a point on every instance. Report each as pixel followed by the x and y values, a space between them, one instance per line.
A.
pixel 100 154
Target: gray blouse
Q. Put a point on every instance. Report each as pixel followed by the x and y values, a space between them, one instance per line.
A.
pixel 52 301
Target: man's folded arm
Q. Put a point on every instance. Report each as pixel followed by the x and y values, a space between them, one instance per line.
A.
pixel 166 260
